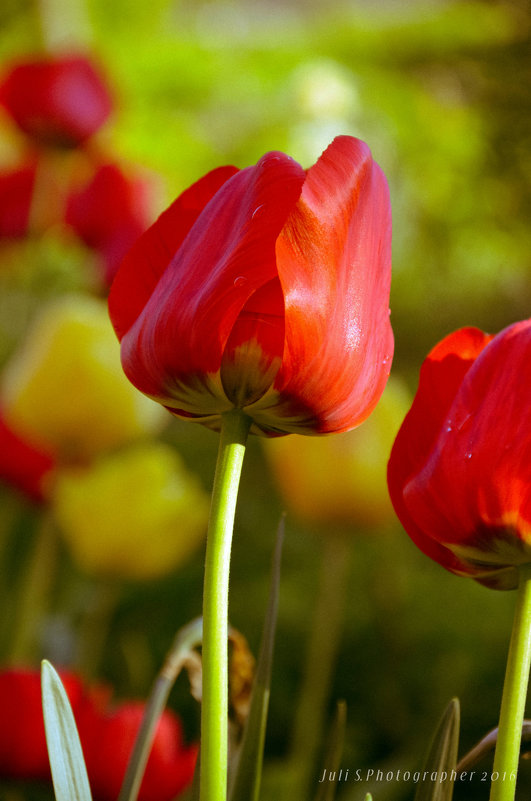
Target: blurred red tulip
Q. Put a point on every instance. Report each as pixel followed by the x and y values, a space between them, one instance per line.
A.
pixel 59 101
pixel 23 752
pixel 109 214
pixel 24 466
pixel 460 469
pixel 16 191
pixel 107 738
pixel 108 746
pixel 265 289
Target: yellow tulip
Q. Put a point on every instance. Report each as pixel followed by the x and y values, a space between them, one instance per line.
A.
pixel 341 480
pixel 65 389
pixel 137 513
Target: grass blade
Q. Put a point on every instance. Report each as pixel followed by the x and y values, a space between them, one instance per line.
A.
pixel 440 766
pixel 334 752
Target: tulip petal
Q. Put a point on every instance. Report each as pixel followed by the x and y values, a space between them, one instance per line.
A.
pixel 334 265
pixel 145 263
pixel 440 378
pixel 253 352
pixel 472 494
pixel 173 350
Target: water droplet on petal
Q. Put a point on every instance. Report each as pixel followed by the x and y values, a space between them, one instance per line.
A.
pixel 468 455
pixel 240 281
pixel 463 422
pixel 257 209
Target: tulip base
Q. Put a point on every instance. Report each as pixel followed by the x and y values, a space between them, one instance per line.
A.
pixel 214 711
pixel 514 695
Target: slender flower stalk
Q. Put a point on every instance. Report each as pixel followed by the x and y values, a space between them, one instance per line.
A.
pixel 213 776
pixel 514 695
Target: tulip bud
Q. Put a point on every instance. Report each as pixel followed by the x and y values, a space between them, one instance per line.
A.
pixel 342 479
pixel 134 514
pixel 265 289
pixel 65 390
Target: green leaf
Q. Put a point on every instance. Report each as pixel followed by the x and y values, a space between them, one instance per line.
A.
pixel 327 790
pixel 69 774
pixel 246 784
pixel 439 767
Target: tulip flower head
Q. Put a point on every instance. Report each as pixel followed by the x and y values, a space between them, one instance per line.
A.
pixel 58 100
pixel 460 469
pixel 107 735
pixel 265 289
pixel 108 746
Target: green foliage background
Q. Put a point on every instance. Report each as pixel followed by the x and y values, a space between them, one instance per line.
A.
pixel 442 93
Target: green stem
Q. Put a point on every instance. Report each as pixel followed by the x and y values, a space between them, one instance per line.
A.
pixel 514 695
pixel 214 710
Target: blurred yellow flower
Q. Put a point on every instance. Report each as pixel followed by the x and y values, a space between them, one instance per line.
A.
pixel 341 480
pixel 65 388
pixel 137 513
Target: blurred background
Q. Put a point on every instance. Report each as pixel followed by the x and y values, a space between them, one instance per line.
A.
pixel 441 91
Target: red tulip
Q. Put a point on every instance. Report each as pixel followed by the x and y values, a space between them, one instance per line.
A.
pixel 16 192
pixel 22 465
pixel 23 752
pixel 460 469
pixel 265 289
pixel 58 101
pixel 109 214
pixel 170 766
